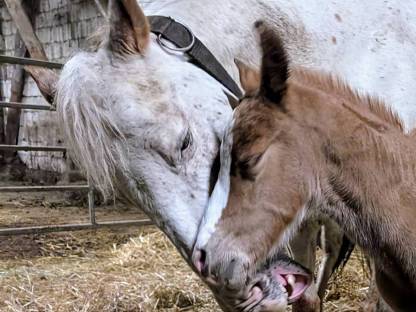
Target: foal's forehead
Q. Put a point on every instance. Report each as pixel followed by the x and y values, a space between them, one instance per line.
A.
pixel 253 121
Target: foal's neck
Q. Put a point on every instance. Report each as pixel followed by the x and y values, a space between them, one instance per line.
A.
pixel 367 173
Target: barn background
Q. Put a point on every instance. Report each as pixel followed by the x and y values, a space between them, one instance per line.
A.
pixel 63 27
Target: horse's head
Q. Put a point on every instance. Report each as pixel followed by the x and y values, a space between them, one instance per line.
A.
pixel 260 190
pixel 142 122
pixel 146 124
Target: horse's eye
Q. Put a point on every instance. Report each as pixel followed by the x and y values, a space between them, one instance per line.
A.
pixel 186 141
pixel 246 166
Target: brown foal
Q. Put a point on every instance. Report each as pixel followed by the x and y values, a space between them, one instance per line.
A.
pixel 301 143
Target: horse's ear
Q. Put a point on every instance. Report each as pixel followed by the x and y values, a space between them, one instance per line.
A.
pixel 46 80
pixel 130 29
pixel 275 65
pixel 249 77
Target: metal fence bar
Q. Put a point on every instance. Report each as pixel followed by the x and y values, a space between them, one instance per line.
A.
pixel 91 206
pixel 57 188
pixel 52 228
pixel 29 61
pixel 32 148
pixel 72 227
pixel 26 106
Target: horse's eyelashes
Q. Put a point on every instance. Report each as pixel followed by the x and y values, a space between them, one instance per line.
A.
pixel 169 160
pixel 186 141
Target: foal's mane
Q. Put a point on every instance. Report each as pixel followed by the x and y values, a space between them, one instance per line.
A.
pixel 373 112
pixel 338 87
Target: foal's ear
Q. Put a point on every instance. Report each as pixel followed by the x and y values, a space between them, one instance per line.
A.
pixel 249 77
pixel 130 28
pixel 275 67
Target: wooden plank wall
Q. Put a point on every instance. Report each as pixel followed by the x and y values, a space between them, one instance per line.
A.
pixel 62 26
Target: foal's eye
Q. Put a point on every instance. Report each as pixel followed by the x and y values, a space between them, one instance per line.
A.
pixel 255 160
pixel 250 162
pixel 247 165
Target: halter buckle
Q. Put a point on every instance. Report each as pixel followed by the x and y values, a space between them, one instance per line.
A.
pixel 167 48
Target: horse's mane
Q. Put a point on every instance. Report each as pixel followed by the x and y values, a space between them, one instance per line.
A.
pixel 338 87
pixel 96 143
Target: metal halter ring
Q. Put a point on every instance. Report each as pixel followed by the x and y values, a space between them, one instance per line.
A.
pixel 184 49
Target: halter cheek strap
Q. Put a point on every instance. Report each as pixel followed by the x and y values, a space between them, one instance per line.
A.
pixel 184 39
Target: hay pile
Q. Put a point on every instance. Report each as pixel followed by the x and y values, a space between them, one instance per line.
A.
pixel 121 271
pixel 75 274
pixel 348 289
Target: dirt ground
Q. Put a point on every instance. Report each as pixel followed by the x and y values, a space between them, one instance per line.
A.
pixel 126 270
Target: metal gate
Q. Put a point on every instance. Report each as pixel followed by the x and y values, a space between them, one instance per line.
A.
pixel 92 224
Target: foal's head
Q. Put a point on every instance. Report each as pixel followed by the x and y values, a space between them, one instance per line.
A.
pixel 294 143
pixel 262 174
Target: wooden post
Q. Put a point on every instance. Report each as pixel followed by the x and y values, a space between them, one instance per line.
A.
pixel 2 123
pixel 24 25
pixel 27 33
pixel 101 9
pixel 1 130
pixel 1 113
pixel 13 115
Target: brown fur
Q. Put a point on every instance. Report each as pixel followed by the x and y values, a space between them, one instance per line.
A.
pixel 319 146
pixel 46 79
pixel 130 29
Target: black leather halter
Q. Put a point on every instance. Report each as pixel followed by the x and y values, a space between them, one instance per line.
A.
pixel 184 39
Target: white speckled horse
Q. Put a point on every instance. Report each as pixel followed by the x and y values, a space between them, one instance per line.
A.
pixel 146 123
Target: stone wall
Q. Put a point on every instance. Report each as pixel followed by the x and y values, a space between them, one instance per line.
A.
pixel 62 26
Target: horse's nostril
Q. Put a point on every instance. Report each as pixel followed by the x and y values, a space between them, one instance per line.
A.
pixel 200 257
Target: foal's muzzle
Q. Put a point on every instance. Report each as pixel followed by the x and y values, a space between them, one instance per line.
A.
pixel 280 280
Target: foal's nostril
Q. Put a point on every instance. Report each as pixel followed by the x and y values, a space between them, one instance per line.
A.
pixel 200 257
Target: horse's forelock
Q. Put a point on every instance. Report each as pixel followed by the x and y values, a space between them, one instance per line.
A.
pixel 90 130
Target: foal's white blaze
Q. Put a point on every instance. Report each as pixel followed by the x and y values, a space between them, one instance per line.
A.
pixel 219 197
